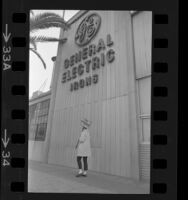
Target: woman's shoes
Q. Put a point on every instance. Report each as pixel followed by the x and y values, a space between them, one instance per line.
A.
pixel 79 175
pixel 84 175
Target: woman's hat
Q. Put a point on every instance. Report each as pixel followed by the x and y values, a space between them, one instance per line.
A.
pixel 86 122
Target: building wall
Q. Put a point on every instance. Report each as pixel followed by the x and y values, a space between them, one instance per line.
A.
pixel 142 34
pixel 110 104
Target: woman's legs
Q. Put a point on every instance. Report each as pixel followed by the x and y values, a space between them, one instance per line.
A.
pixel 79 163
pixel 85 164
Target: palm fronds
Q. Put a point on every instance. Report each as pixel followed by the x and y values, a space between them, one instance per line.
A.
pixel 39 56
pixel 44 21
pixel 34 39
pixel 32 42
pixel 47 20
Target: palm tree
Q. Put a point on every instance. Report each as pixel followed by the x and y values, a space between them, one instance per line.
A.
pixel 45 21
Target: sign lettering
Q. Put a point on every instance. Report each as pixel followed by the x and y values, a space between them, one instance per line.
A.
pixel 89 59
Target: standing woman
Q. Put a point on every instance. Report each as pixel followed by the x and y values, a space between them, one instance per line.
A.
pixel 83 148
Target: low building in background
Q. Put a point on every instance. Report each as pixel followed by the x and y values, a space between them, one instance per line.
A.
pixel 38 117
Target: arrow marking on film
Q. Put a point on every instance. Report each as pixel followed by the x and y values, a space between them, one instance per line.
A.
pixel 6 35
pixel 5 140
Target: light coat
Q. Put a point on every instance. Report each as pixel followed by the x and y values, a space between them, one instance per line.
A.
pixel 84 147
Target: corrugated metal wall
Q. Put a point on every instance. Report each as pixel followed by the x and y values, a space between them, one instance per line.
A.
pixel 142 34
pixel 106 104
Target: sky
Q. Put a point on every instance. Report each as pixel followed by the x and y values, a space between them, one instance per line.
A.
pixel 40 78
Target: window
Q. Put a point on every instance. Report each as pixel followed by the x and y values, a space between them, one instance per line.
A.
pixel 38 118
pixel 41 131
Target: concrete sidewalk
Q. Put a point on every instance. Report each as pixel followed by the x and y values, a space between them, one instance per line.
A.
pixel 59 179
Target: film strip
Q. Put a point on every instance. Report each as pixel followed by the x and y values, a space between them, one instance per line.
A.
pixel 14 123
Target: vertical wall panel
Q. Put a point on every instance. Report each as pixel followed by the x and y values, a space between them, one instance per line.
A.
pixel 146 129
pixel 118 138
pixel 122 144
pixel 72 120
pixel 105 142
pixel 93 126
pixel 107 138
pixel 100 123
pixel 103 153
pixel 100 84
pixel 145 95
pixel 142 31
pixel 113 137
pixel 96 118
pixel 104 80
pixel 108 82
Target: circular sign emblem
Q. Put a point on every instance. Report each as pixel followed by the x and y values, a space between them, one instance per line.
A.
pixel 87 29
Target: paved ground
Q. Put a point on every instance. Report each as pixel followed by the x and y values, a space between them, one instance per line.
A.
pixel 59 179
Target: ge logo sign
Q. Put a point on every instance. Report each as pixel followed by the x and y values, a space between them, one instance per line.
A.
pixel 87 29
